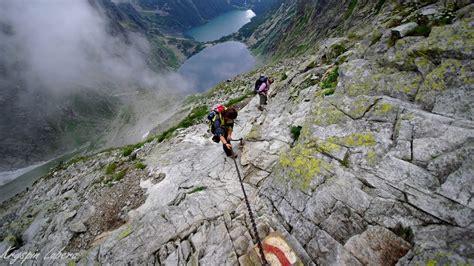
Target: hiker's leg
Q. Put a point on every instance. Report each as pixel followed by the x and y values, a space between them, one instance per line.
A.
pixel 227 151
pixel 263 99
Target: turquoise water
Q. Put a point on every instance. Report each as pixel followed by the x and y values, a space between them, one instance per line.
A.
pixel 217 63
pixel 221 26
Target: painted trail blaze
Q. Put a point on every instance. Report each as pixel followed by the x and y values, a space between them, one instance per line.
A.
pixel 269 249
pixel 278 252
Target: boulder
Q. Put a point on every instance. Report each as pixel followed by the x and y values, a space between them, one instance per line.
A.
pixel 404 29
pixel 77 227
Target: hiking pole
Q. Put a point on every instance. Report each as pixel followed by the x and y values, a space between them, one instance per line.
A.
pixel 252 220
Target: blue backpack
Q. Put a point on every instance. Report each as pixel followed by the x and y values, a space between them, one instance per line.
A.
pixel 212 116
pixel 262 79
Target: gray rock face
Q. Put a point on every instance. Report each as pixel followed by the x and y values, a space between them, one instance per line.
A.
pixel 78 227
pixel 377 246
pixel 380 173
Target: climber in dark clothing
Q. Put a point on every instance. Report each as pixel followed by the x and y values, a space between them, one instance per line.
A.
pixel 222 126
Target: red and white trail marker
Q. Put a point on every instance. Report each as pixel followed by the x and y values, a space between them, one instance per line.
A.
pixel 278 251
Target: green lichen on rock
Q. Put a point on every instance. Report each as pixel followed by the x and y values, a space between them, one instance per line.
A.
pixel 386 108
pixel 325 114
pixel 445 258
pixel 323 146
pixel 372 157
pixel 355 140
pixel 362 88
pixel 437 79
pixel 423 65
pixel 301 166
pixel 126 232
pixel 401 58
pixel 408 86
pixel 451 41
pixel 449 74
pixel 359 106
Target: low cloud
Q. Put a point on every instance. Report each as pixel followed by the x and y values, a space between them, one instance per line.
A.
pixel 58 46
pixel 51 51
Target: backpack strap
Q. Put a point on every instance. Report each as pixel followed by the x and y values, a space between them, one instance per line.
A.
pixel 215 113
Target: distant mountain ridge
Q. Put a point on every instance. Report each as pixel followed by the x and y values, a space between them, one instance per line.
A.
pixel 178 16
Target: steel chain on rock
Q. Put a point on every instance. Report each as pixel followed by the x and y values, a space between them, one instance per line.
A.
pixel 252 220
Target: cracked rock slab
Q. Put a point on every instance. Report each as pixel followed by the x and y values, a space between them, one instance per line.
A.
pixel 377 246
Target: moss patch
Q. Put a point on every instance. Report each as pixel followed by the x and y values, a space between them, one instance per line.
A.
pixel 196 115
pixel 110 169
pixel 330 79
pixel 295 132
pixel 335 51
pixel 197 189
pixel 140 165
pixel 120 175
pixel 127 151
pixel 237 100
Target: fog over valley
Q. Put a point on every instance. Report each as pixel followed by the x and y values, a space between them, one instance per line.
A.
pixel 66 70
